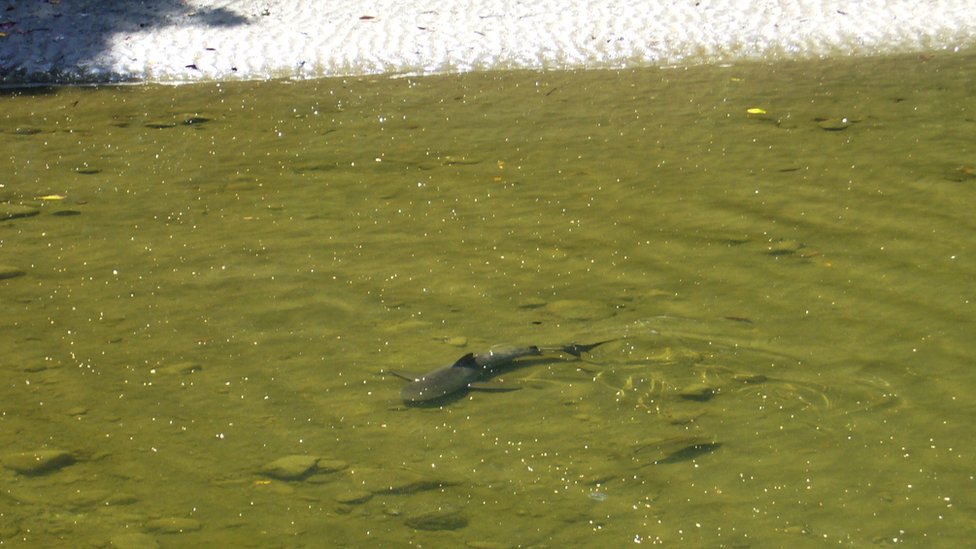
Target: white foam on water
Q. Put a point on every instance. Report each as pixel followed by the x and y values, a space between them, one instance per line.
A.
pixel 221 39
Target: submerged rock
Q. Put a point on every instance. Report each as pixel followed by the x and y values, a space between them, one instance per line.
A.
pixel 173 525
pixel 784 247
pixel 396 481
pixel 353 497
pixel 134 540
pixel 291 467
pixel 7 271
pixel 330 465
pixel 674 450
pixel 441 519
pixel 580 309
pixel 299 467
pixel 698 391
pixel 178 368
pixel 834 124
pixel 38 462
pixel 13 211
pixel 749 378
pixel 961 173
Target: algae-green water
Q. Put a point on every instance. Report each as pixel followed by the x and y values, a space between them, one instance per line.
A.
pixel 219 276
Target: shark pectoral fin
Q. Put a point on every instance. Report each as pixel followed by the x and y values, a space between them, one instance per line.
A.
pixel 402 375
pixel 492 386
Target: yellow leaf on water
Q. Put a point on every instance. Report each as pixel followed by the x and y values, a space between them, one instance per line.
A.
pixel 756 110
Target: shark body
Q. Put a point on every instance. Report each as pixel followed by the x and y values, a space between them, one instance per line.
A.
pixel 470 368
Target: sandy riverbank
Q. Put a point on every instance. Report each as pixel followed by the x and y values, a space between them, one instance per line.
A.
pixel 174 40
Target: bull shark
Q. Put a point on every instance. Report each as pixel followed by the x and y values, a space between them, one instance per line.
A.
pixel 467 370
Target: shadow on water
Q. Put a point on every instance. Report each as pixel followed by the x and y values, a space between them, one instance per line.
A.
pixel 66 42
pixel 28 90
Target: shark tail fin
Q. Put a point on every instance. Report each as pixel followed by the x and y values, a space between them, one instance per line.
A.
pixel 577 349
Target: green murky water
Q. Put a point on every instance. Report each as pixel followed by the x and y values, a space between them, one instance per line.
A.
pixel 219 276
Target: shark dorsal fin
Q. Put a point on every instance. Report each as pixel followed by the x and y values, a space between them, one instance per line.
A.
pixel 466 361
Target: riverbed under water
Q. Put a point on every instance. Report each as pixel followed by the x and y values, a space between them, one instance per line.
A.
pixel 222 275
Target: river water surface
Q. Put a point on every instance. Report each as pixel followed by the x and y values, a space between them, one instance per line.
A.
pixel 219 276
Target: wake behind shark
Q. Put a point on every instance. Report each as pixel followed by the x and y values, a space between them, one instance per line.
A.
pixel 466 372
